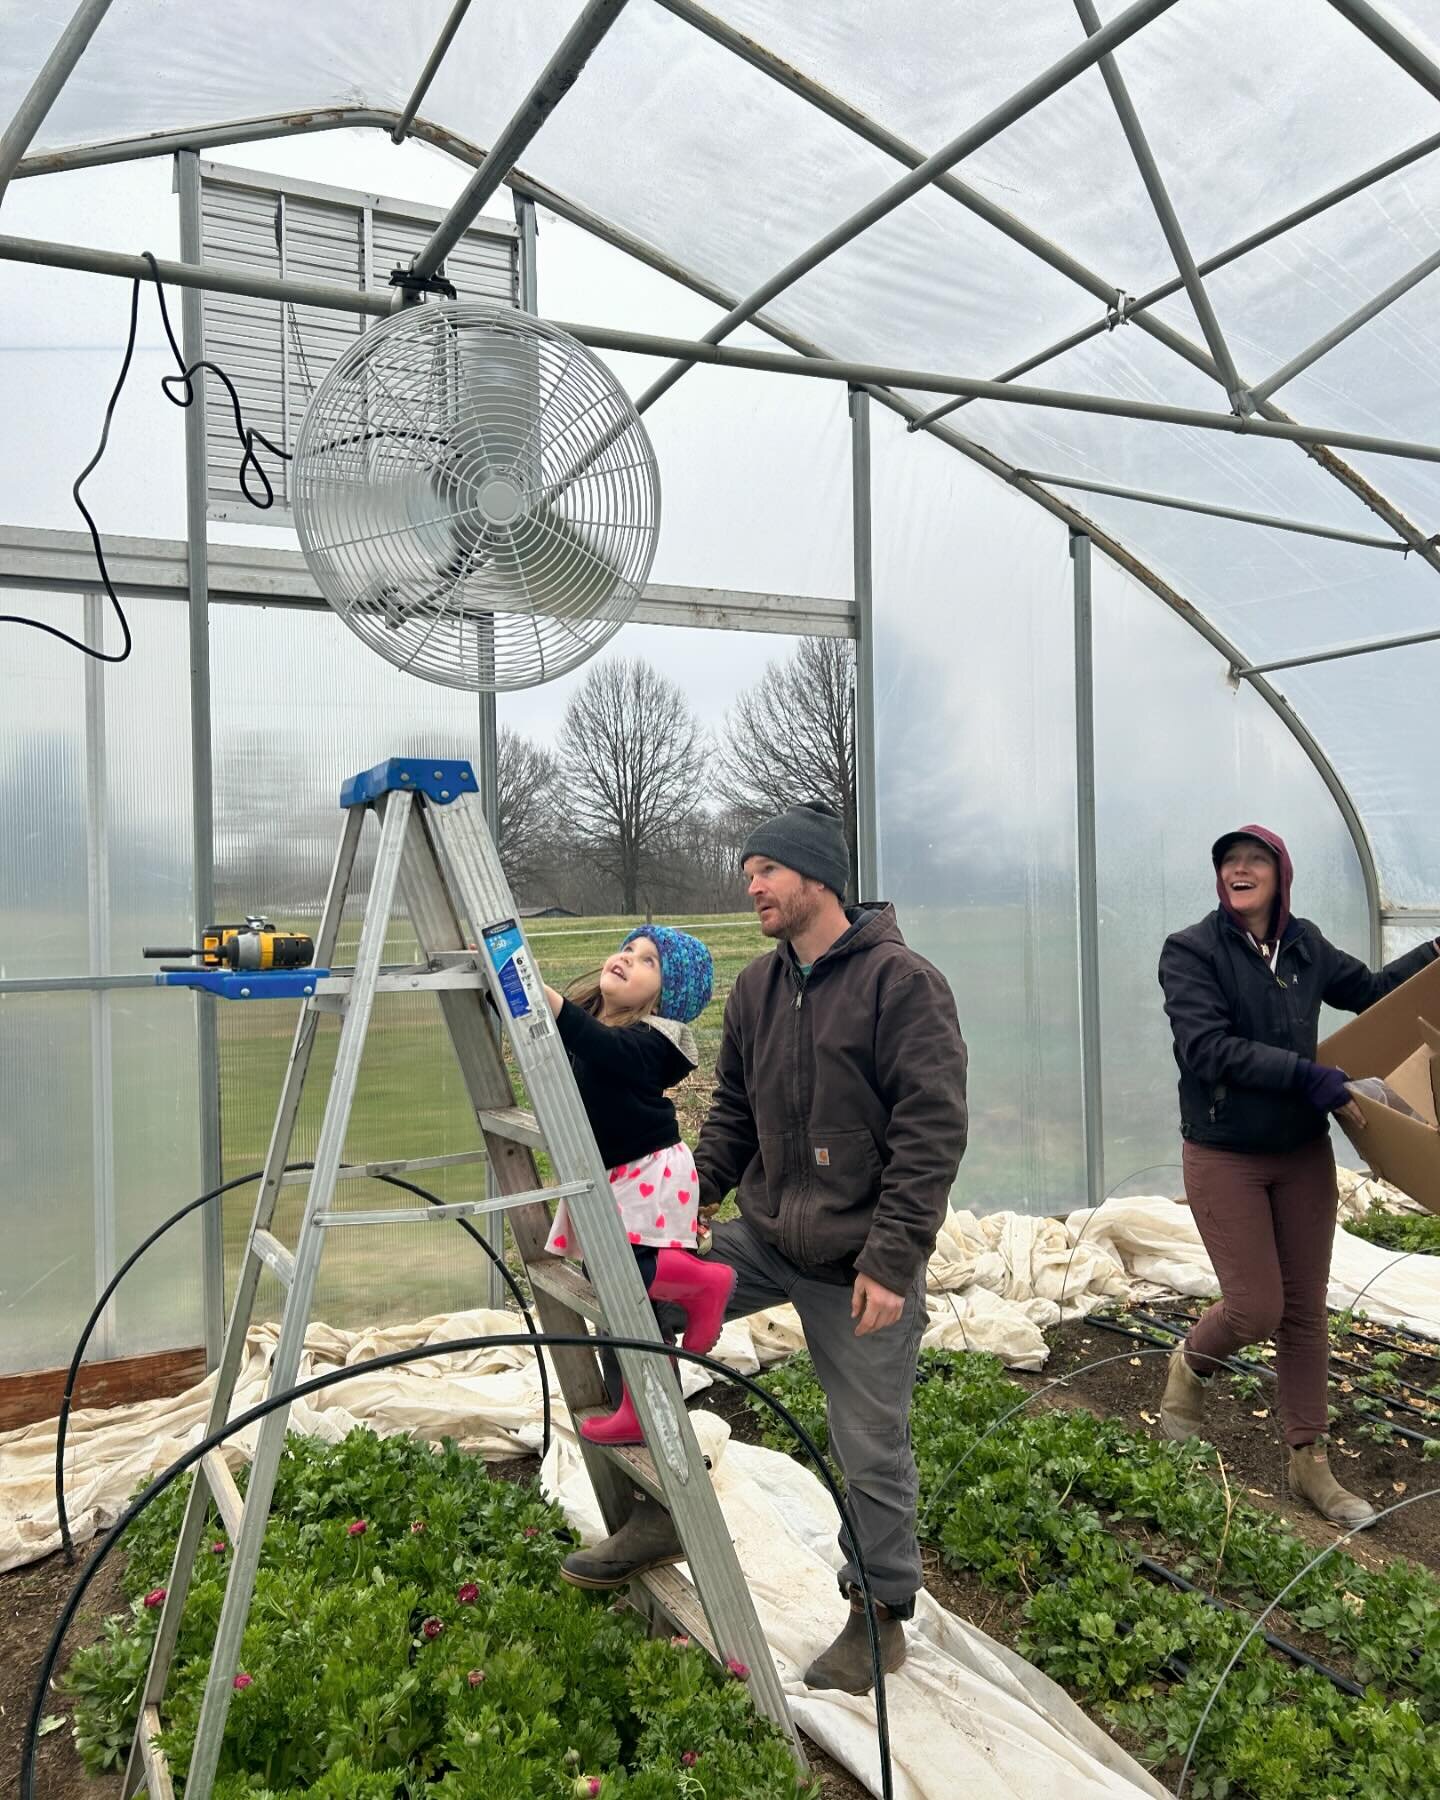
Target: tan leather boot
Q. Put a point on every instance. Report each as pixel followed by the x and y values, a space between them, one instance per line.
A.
pixel 1312 1480
pixel 1182 1409
pixel 847 1663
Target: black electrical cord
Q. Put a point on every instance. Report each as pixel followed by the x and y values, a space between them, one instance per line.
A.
pixel 393 1359
pixel 72 1374
pixel 247 435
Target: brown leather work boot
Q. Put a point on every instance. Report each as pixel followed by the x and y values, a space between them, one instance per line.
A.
pixel 1182 1409
pixel 847 1663
pixel 1312 1480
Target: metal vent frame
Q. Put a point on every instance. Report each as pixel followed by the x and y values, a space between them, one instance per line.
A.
pixel 277 354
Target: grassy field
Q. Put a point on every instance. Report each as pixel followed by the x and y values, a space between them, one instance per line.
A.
pixel 410 1103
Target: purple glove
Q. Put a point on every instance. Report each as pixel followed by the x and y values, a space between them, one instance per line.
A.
pixel 1323 1087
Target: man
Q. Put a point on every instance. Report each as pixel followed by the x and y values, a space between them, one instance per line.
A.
pixel 839 1114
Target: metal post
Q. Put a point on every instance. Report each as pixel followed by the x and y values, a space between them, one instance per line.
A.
pixel 1387 36
pixel 212 1228
pixel 1136 309
pixel 30 115
pixel 1273 520
pixel 867 846
pixel 428 73
pixel 559 74
pixel 97 859
pixel 1075 62
pixel 1164 211
pixel 1086 882
pixel 1245 671
pixel 1337 334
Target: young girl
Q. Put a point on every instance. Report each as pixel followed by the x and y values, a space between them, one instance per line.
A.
pixel 628 1034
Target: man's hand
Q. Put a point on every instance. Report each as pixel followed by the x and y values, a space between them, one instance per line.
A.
pixel 874 1306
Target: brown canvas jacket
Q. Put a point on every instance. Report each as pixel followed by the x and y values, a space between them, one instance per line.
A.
pixel 839 1107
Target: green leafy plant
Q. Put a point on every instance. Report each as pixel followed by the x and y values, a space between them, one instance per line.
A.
pixel 410 1639
pixel 1057 1505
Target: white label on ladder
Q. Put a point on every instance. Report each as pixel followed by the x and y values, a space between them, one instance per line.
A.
pixel 519 981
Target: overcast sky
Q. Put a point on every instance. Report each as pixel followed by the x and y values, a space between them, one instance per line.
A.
pixel 755 482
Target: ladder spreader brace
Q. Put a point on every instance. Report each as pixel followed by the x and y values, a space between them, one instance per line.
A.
pixel 437 857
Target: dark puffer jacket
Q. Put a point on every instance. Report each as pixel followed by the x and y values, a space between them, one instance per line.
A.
pixel 839 1107
pixel 1242 1029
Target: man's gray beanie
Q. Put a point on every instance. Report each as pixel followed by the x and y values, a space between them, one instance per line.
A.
pixel 808 838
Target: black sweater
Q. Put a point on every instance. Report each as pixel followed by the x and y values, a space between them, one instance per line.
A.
pixel 622 1072
pixel 1242 1029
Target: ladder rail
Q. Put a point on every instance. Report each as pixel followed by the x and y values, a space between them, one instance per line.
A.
pixel 242 1307
pixel 476 878
pixel 285 1363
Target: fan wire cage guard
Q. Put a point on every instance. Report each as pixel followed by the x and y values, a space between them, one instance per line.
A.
pixel 476 496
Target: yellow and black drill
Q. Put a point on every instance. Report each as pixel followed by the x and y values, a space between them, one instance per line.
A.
pixel 254 945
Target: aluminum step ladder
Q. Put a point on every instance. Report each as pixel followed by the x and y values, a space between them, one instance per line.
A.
pixel 437 856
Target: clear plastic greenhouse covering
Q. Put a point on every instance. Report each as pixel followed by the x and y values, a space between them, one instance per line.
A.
pixel 1251 112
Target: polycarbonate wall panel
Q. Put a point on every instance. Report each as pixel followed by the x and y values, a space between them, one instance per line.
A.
pixel 155 1166
pixel 976 797
pixel 1182 756
pixel 99 1133
pixel 47 1280
pixel 42 792
pixel 299 704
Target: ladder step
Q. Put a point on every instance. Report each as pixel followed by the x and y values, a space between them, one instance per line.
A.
pixel 157 1766
pixel 516 1123
pixel 672 1595
pixel 274 1255
pixel 562 1279
pixel 634 1459
pixel 459 1209
pixel 227 1497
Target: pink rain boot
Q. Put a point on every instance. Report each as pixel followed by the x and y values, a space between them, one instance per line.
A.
pixel 703 1289
pixel 619 1427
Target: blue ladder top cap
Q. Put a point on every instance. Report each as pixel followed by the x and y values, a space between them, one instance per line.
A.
pixel 257 984
pixel 439 781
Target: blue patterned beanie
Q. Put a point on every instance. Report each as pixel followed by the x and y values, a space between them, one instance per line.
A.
pixel 687 975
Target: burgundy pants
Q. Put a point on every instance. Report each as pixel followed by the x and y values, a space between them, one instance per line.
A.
pixel 1268 1223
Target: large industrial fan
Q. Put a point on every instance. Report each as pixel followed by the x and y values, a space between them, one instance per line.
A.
pixel 476 496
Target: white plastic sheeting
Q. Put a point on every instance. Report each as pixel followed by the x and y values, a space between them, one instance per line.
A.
pixel 966 1714
pixel 1250 113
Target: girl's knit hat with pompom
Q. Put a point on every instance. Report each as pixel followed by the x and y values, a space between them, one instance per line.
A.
pixel 687 974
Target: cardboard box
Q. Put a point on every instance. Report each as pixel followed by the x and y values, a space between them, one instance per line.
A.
pixel 1398 1040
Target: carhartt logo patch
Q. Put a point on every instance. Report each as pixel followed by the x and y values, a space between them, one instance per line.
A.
pixel 822 1157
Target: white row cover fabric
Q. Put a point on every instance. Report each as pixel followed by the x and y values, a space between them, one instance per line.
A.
pixel 1250 112
pixel 966 1714
pixel 995 1284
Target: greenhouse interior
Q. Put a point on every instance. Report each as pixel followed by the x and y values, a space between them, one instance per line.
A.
pixel 1075 364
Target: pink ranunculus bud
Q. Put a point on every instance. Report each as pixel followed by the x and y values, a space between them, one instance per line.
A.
pixel 688 1759
pixel 431 1629
pixel 476 1677
pixel 417 1527
pixel 156 1597
pixel 242 1681
pixel 356 1528
pixel 738 1669
pixel 468 1594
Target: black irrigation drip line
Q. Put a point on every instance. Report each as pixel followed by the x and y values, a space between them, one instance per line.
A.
pixel 73 1373
pixel 537 1340
pixel 1158 1572
pixel 1245 1366
pixel 1410 1343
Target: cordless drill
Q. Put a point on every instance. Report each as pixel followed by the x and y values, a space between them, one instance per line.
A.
pixel 254 945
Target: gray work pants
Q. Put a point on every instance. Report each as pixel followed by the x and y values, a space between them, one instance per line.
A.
pixel 868 1383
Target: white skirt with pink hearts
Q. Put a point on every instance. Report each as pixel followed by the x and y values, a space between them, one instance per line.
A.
pixel 659 1203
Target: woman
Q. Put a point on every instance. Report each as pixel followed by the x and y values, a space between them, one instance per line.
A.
pixel 1243 991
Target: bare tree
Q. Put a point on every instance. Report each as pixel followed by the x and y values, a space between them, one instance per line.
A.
pixel 634 756
pixel 528 780
pixel 792 736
